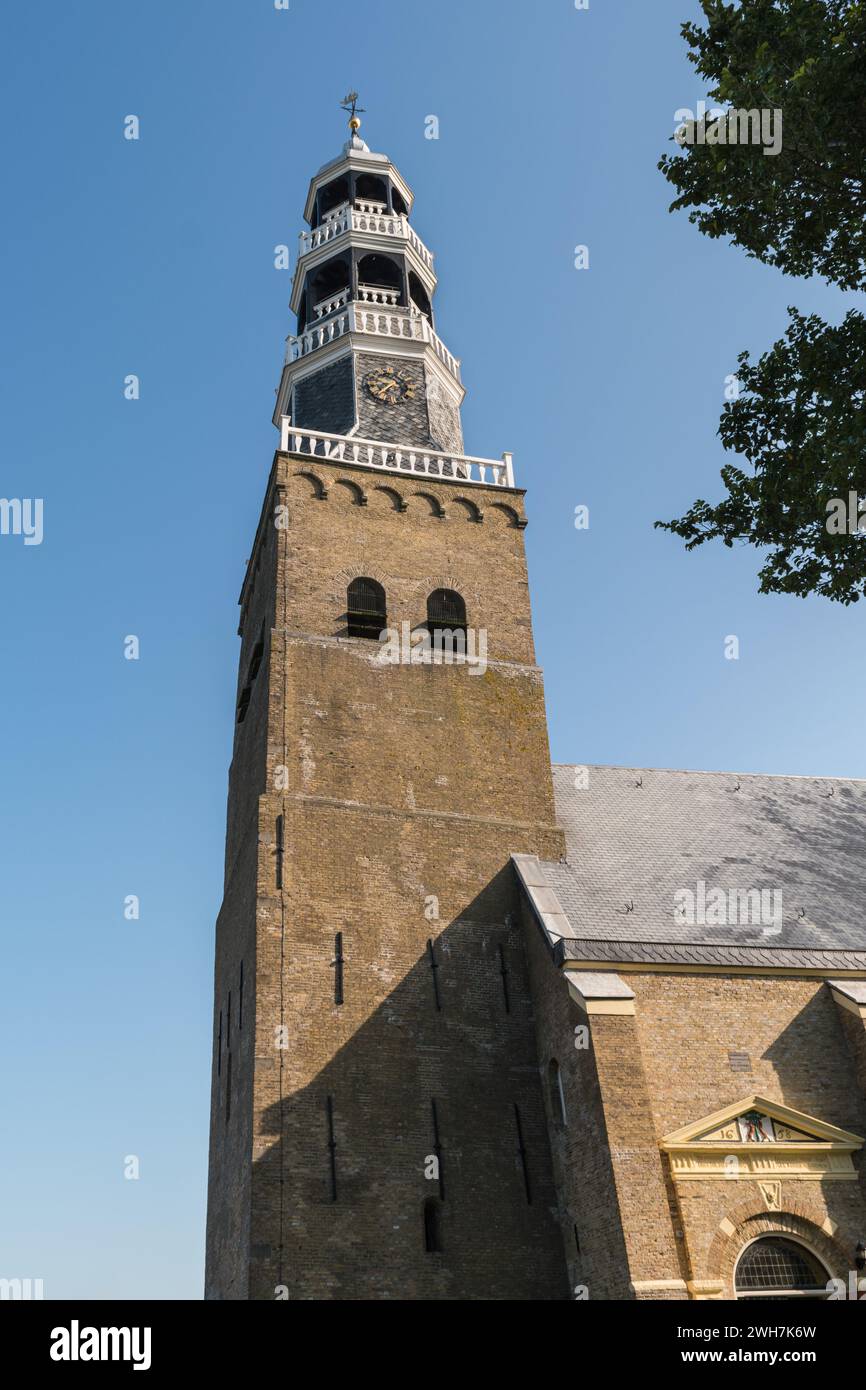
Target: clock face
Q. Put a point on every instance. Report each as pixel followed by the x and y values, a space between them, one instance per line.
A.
pixel 390 386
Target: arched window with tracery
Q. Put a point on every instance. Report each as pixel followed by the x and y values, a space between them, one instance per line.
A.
pixel 775 1268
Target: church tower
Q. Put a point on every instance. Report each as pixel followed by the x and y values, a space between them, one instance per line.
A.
pixel 363 294
pixel 377 1118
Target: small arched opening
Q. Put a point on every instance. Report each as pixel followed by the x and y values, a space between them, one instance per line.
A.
pixel 380 280
pixel 332 196
pixel 371 193
pixel 328 289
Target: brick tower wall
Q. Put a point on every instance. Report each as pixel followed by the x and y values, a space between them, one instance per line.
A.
pixel 402 791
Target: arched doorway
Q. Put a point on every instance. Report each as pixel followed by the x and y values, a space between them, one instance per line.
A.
pixel 777 1268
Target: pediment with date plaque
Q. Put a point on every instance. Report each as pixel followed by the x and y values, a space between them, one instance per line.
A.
pixel 758 1139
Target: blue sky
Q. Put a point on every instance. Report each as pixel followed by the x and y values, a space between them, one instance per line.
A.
pixel 156 258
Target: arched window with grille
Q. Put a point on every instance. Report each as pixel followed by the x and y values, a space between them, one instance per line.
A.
pixel 367 613
pixel 446 612
pixel 772 1268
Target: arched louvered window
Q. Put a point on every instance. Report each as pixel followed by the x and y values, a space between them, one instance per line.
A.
pixel 446 612
pixel 367 612
pixel 772 1268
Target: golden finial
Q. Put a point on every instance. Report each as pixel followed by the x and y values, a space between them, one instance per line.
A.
pixel 350 103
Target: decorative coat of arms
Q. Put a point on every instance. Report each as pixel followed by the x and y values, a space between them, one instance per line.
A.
pixel 756 1128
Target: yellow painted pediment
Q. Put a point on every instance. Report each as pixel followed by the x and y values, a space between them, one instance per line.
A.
pixel 806 1127
pixel 759 1138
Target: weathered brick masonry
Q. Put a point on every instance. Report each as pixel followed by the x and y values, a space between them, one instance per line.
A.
pixel 407 788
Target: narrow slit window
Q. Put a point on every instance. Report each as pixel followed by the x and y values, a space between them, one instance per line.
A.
pixel 256 658
pixel 434 966
pixel 241 1000
pixel 557 1094
pixel 279 850
pixel 228 1089
pixel 503 971
pixel 367 610
pixel 432 1231
pixel 338 968
pixel 332 1146
pixel 437 1148
pixel 521 1153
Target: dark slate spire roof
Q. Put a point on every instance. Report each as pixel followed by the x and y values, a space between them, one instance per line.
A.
pixel 636 836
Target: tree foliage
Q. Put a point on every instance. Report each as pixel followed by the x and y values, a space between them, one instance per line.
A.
pixel 799 418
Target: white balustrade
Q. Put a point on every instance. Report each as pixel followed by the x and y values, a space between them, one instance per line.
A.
pixel 330 229
pixel 361 318
pixel 334 301
pixel 378 294
pixel 396 458
pixel 415 240
pixel 364 217
pixel 338 211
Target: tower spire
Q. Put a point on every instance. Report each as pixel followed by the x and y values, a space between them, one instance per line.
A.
pixel 366 361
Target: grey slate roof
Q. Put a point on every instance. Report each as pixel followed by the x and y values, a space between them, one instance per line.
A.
pixel 630 844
